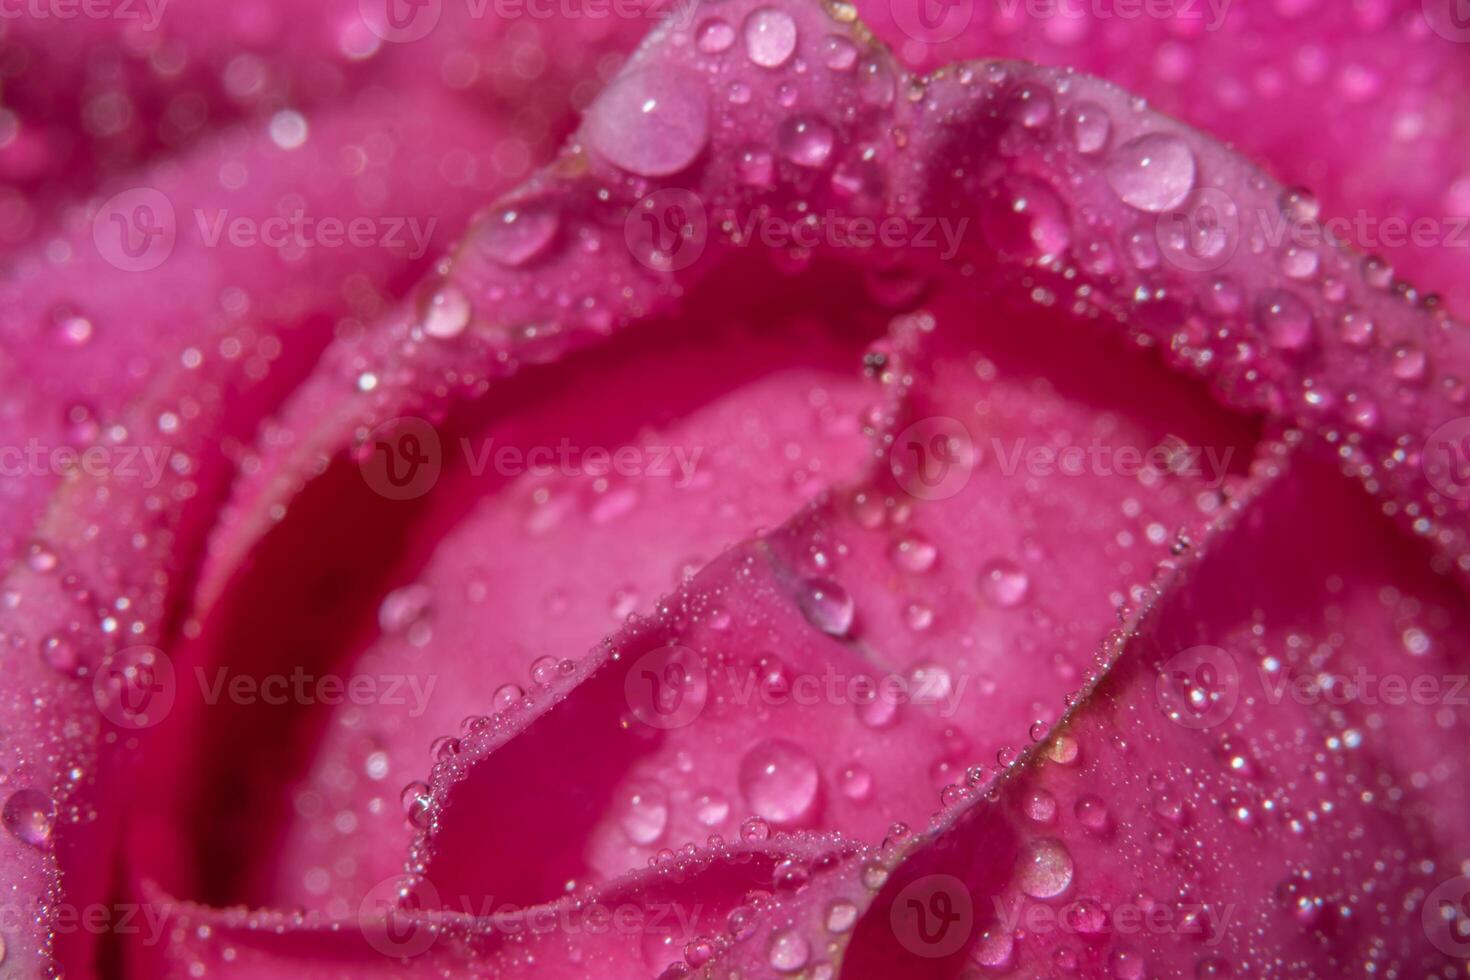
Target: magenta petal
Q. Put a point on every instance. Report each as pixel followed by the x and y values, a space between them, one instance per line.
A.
pixel 1089 218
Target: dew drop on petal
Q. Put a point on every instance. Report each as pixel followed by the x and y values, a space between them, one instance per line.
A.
pixel 1286 319
pixel 789 951
pixel 914 553
pixel 1044 869
pixel 715 35
pixel 770 37
pixel 447 314
pixel 827 606
pixel 645 814
pixel 1152 173
pixel 779 781
pixel 1004 583
pixel 28 815
pixel 841 915
pixel 838 53
pixel 856 782
pixel 652 123
pixel 1090 127
pixel 515 236
pixel 754 829
pixel 805 141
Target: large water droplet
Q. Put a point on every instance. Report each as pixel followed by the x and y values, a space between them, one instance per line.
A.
pixel 805 141
pixel 29 815
pixel 1044 869
pixel 779 780
pixel 645 814
pixel 841 916
pixel 447 314
pixel 1090 127
pixel 770 37
pixel 827 606
pixel 838 53
pixel 517 235
pixel 914 553
pixel 653 122
pixel 1152 173
pixel 1286 319
pixel 1023 216
pixel 715 35
pixel 789 951
pixel 1004 583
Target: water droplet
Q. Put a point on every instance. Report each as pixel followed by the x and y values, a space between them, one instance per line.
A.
pixel 652 123
pixel 755 167
pixel 1004 583
pixel 1090 127
pixel 1040 805
pixel 1152 173
pixel 1286 319
pixel 995 949
pixel 416 800
pixel 1044 869
pixel 715 35
pixel 1300 263
pixel 1299 204
pixel 403 609
pixel 770 37
pixel 841 916
pixel 29 815
pixel 754 829
pixel 913 553
pixel 72 329
pixel 1031 106
pixel 505 695
pixel 517 235
pixel 827 606
pixel 838 53
pixel 711 808
pixel 918 616
pixel 856 782
pixel 789 951
pixel 447 314
pixel 1023 216
pixel 779 780
pixel 1092 813
pixel 806 141
pixel 1408 362
pixel 60 653
pixel 1126 964
pixel 645 814
pixel 1356 329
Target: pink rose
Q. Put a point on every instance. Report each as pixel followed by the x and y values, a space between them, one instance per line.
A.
pixel 854 509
